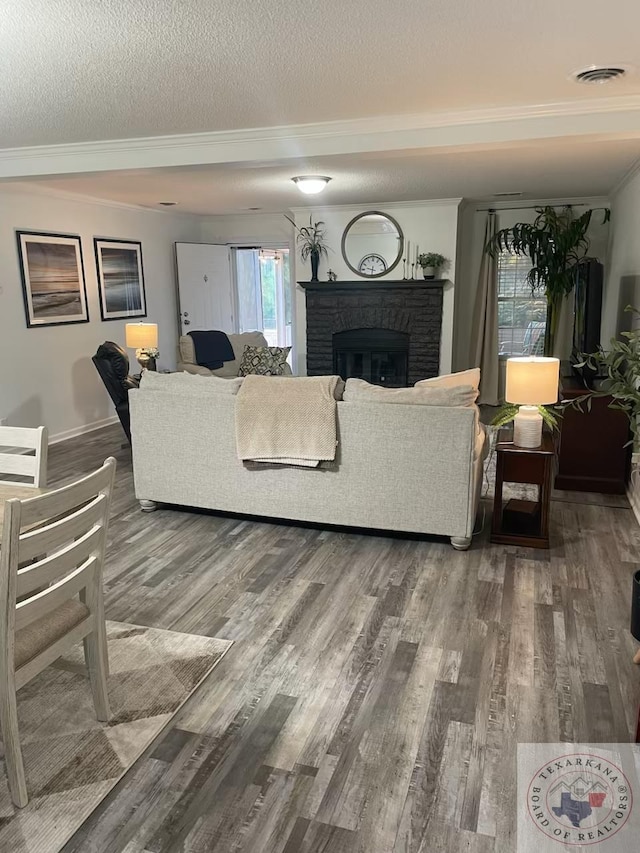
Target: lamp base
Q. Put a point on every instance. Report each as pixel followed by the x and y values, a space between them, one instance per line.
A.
pixel 146 361
pixel 527 427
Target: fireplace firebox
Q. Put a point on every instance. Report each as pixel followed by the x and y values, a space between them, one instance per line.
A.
pixel 377 355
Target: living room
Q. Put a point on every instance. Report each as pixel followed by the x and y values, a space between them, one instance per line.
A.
pixel 340 610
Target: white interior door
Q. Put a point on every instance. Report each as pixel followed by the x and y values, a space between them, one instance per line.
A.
pixel 205 287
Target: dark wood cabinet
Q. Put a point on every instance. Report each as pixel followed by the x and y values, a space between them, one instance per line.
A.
pixel 592 456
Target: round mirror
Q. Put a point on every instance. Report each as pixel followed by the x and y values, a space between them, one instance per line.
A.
pixel 372 244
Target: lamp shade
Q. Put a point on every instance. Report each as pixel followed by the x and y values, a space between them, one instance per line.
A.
pixel 532 380
pixel 141 335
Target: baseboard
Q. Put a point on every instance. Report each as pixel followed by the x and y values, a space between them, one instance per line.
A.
pixel 82 430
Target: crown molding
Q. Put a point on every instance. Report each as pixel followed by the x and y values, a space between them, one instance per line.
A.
pixel 579 118
pixel 21 187
pixel 628 176
pixel 377 205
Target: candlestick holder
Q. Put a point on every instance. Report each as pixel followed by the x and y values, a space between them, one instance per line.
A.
pixel 404 269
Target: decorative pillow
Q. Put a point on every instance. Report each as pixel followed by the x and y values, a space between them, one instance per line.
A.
pixel 192 383
pixel 264 361
pixel 359 391
pixel 453 380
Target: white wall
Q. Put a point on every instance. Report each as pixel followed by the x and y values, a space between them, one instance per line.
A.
pixel 472 230
pixel 433 225
pixel 46 373
pixel 247 229
pixel 622 286
pixel 622 281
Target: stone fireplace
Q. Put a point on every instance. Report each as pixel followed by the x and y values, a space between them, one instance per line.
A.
pixel 387 332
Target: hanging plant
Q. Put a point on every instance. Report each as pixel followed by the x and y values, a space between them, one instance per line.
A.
pixel 557 243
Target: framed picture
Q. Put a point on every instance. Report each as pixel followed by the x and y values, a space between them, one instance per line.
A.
pixel 53 283
pixel 120 278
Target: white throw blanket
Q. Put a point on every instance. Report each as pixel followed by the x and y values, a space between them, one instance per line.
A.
pixel 287 420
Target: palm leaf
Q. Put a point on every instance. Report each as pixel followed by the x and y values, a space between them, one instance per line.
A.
pixel 557 243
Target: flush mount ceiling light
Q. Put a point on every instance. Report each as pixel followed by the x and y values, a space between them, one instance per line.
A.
pixel 599 74
pixel 311 184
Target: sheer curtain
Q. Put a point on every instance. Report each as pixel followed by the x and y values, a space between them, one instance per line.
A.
pixel 484 331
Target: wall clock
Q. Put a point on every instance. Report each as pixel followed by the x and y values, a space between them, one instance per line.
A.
pixel 372 264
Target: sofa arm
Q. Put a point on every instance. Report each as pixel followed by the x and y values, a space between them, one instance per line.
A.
pixel 193 368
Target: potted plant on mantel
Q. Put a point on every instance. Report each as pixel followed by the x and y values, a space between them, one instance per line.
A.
pixel 557 243
pixel 431 263
pixel 310 240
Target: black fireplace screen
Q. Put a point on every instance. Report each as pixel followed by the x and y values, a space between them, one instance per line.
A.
pixel 377 355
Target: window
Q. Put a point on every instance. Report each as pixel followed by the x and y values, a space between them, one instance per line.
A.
pixel 264 293
pixel 522 318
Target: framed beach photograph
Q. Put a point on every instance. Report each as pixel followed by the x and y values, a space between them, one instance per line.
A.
pixel 53 283
pixel 120 278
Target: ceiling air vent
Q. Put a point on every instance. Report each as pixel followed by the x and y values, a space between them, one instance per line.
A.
pixel 516 194
pixel 599 74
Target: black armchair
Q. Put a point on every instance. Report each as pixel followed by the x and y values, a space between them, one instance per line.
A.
pixel 112 363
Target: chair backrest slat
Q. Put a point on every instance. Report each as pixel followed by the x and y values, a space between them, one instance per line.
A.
pixel 67 498
pixel 57 534
pixel 53 596
pixel 18 463
pixel 68 549
pixel 50 569
pixel 25 464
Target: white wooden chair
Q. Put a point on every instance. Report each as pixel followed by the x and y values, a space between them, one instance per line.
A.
pixel 51 562
pixel 26 464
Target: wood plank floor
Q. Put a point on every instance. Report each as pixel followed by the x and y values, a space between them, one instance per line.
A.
pixel 377 687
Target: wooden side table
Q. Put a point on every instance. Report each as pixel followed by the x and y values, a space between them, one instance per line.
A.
pixel 521 522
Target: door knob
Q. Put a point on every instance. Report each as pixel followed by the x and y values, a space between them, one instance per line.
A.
pixel 187 322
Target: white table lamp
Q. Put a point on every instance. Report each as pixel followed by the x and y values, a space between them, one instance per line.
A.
pixel 143 337
pixel 532 381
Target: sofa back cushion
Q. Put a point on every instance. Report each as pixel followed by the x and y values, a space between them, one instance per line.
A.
pixel 238 342
pixel 190 383
pixel 359 391
pixel 453 380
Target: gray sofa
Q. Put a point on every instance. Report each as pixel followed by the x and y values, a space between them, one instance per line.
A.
pixel 187 357
pixel 399 467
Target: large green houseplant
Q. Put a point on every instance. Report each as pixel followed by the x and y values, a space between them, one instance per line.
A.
pixel 557 243
pixel 619 367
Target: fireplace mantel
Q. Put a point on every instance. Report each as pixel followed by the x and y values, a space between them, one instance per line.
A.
pixel 373 284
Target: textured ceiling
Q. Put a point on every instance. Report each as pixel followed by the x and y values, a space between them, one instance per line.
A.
pixel 558 169
pixel 75 70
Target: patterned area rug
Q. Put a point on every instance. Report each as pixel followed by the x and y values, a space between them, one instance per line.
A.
pixel 71 760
